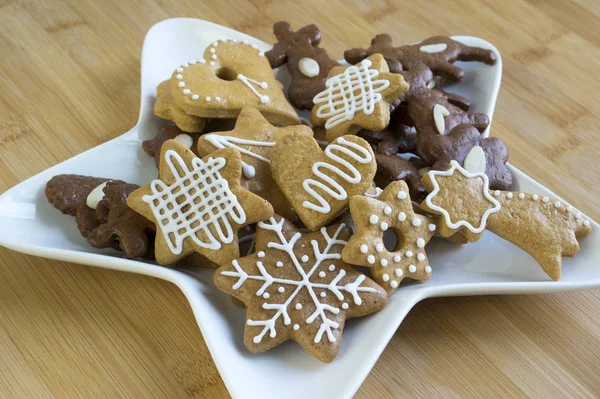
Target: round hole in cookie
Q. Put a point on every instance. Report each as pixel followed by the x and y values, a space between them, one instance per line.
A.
pixel 390 240
pixel 226 74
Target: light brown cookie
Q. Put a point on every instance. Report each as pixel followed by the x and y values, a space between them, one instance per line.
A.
pixel 372 218
pixel 165 108
pixel 230 76
pixel 198 204
pixel 318 183
pixel 547 229
pixel 255 137
pixel 297 287
pixel 357 96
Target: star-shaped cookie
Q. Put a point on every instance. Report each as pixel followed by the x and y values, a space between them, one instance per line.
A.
pixel 165 108
pixel 297 287
pixel 254 137
pixel 198 204
pixel 372 218
pixel 356 97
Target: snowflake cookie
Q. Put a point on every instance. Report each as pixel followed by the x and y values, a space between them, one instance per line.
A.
pixel 231 75
pixel 356 97
pixel 198 204
pixel 545 228
pixel 254 137
pixel 296 286
pixel 372 217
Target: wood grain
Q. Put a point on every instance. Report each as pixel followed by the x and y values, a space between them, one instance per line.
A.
pixel 70 81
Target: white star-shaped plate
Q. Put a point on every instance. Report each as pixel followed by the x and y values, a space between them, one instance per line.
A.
pixel 491 266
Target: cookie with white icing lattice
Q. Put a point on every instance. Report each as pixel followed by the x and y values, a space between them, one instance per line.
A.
pixel 231 75
pixel 165 108
pixel 255 137
pixel 357 96
pixel 319 183
pixel 297 287
pixel 372 217
pixel 198 204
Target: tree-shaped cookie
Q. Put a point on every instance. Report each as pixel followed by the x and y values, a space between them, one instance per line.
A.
pixel 545 228
pixel 297 287
pixel 437 52
pixel 372 218
pixel 198 204
pixel 254 137
pixel 307 63
pixel 356 97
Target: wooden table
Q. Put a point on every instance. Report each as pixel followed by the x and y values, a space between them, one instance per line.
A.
pixel 70 81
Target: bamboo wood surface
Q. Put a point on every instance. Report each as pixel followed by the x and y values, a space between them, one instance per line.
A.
pixel 70 81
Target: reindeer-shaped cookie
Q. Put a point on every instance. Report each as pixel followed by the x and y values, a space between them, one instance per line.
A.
pixel 547 229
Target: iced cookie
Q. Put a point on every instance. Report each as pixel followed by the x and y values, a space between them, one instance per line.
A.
pixel 198 204
pixel 297 287
pixel 165 108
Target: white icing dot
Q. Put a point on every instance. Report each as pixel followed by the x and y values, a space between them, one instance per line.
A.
pixel 214 57
pixel 412 268
pixel 261 254
pixel 181 84
pixel 409 254
pixel 264 99
pixel 345 305
pixel 304 258
pixel 570 209
pixel 431 227
pixel 364 249
pixel 179 76
pixel 383 262
pixel 427 269
pixel 185 140
pixel 394 284
pixel 279 263
pixel 379 247
pixel 545 199
pixel 322 274
pixel 535 197
pixel 296 327
pixel 373 219
pixel 383 226
pixel 186 91
pixel 331 268
pixel 195 96
pixel 420 242
pixel 521 195
pixel 261 54
pixel 416 222
pixel 218 99
pixel 385 277
pixel 212 50
pixel 212 63
pixel 397 258
pixel 402 216
pixel 401 195
pixel 185 64
pixel 266 295
pixel 421 257
pixel 207 98
pixel 192 62
pixel 586 223
pixel 281 290
pixel 509 195
pixel 179 69
pixel 202 61
pixel 398 272
pixel 557 204
pixel 496 193
pixel 371 259
pixel 387 210
pixel 323 294
pixel 298 306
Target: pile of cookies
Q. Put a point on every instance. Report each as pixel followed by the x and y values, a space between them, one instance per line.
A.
pixel 284 211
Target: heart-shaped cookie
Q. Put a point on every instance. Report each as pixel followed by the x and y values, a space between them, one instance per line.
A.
pixel 318 183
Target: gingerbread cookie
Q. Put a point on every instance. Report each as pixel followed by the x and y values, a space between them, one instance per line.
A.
pixel 297 287
pixel 392 168
pixel 437 52
pixel 307 63
pixel 230 76
pixel 254 137
pixel 165 108
pixel 319 184
pixel 372 217
pixel 546 229
pixel 394 138
pixel 356 97
pixel 198 204
pixel 152 147
pixel 121 224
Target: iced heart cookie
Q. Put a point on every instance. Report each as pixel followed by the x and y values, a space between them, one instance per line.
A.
pixel 318 183
pixel 297 287
pixel 372 218
pixel 198 204
pixel 356 97
pixel 165 108
pixel 546 229
pixel 254 137
pixel 230 76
